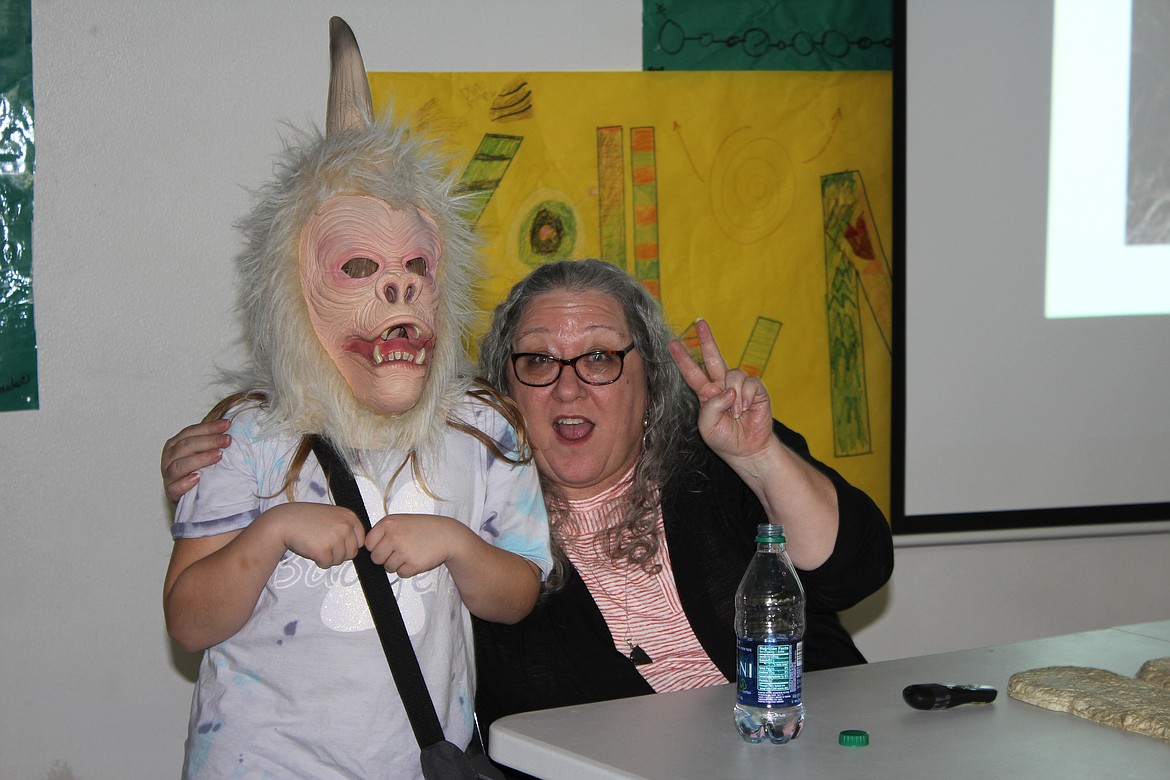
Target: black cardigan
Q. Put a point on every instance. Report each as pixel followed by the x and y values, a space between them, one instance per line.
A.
pixel 563 653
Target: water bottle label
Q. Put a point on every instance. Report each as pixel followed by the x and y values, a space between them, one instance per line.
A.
pixel 768 673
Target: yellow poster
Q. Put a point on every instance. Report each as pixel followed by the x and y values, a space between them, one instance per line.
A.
pixel 759 201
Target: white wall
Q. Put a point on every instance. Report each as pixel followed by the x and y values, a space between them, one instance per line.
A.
pixel 150 119
pixel 952 596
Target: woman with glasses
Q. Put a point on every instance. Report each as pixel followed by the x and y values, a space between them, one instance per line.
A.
pixel 655 472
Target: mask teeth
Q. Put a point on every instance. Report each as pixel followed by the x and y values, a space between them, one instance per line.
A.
pixel 419 359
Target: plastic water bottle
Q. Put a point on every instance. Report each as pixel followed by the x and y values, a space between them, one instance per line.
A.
pixel 769 624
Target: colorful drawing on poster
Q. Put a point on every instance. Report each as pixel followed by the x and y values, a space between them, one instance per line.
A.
pixel 611 196
pixel 793 35
pixel 759 346
pixel 19 385
pixel 756 352
pixel 513 103
pixel 644 170
pixel 485 170
pixel 753 185
pixel 717 177
pixel 547 233
pixel 851 226
pixel 849 401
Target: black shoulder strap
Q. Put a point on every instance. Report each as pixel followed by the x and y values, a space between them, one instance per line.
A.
pixel 383 606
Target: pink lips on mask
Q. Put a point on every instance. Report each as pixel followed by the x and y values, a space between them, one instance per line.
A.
pixel 572 428
pixel 394 345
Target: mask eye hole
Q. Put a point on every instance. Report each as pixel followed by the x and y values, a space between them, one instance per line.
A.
pixel 417 266
pixel 359 267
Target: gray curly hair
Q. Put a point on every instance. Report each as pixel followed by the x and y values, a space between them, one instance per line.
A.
pixel 671 433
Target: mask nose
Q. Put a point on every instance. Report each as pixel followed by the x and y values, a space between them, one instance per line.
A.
pixel 397 291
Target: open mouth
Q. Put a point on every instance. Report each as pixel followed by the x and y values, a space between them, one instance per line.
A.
pixel 395 344
pixel 572 428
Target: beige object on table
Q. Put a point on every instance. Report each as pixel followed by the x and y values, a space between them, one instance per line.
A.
pixel 1138 705
pixel 1156 672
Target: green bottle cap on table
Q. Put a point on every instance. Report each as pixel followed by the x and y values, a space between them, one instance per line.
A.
pixel 853 738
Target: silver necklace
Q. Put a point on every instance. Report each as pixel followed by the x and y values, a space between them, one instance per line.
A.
pixel 637 655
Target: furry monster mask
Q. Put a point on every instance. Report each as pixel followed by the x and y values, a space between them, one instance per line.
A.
pixel 357 278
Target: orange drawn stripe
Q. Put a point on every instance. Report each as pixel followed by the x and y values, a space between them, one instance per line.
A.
pixel 646 215
pixel 642 139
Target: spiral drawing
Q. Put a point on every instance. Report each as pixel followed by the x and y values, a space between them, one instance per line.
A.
pixel 752 186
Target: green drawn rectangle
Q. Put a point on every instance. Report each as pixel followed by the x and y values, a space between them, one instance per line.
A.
pixel 644 169
pixel 611 195
pixel 759 347
pixel 849 397
pixel 486 169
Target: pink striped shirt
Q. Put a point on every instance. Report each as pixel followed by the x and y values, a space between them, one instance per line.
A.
pixel 640 609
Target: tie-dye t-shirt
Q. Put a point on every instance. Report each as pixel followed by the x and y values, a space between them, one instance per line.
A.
pixel 303 689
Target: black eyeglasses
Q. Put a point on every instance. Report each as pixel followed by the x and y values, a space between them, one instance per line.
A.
pixel 599 367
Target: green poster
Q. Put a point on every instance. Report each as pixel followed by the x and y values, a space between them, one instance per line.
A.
pixel 767 35
pixel 18 338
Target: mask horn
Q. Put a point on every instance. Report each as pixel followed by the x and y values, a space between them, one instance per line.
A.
pixel 350 105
